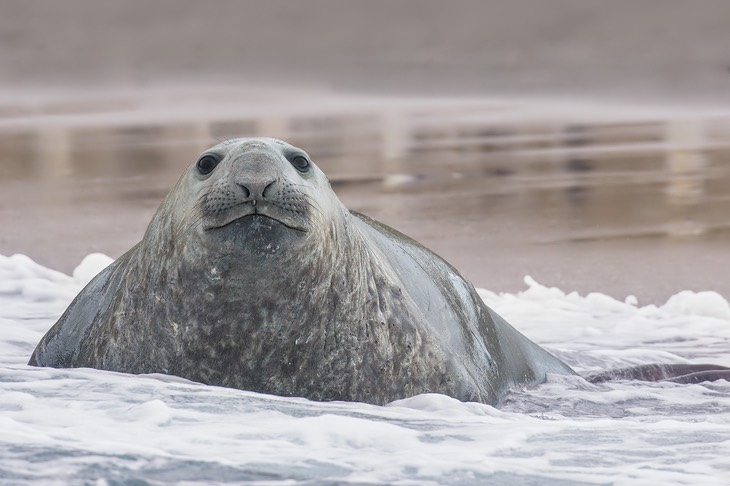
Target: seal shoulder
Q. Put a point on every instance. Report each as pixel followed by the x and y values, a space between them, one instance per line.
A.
pixel 432 280
pixel 435 286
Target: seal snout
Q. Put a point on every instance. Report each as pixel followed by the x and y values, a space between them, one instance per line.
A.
pixel 257 189
pixel 257 175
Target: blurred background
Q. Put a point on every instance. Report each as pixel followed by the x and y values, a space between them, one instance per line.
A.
pixel 585 143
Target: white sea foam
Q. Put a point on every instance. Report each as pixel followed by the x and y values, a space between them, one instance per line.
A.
pixel 81 425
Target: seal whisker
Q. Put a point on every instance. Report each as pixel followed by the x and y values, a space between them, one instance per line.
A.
pixel 226 146
pixel 305 187
pixel 316 212
pixel 193 222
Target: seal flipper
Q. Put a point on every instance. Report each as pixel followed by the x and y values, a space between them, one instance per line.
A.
pixel 524 362
pixel 60 347
pixel 677 373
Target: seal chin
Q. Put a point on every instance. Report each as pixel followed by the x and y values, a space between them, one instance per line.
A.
pixel 254 236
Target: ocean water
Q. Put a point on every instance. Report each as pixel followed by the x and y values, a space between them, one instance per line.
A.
pixel 84 426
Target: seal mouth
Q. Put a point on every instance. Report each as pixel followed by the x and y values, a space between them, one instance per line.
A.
pixel 254 212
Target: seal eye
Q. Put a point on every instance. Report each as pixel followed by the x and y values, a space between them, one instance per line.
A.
pixel 207 163
pixel 300 163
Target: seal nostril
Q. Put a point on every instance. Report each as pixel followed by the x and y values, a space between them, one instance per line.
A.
pixel 257 189
pixel 267 187
pixel 246 192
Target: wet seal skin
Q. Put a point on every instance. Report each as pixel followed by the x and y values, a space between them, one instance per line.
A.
pixel 253 275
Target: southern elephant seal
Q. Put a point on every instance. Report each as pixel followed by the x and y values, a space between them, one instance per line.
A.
pixel 253 275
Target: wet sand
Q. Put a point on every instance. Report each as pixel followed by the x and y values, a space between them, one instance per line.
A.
pixel 585 145
pixel 577 196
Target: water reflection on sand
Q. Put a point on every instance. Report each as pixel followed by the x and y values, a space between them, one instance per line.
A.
pixel 624 205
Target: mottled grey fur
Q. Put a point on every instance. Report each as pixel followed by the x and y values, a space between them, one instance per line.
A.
pixel 257 277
